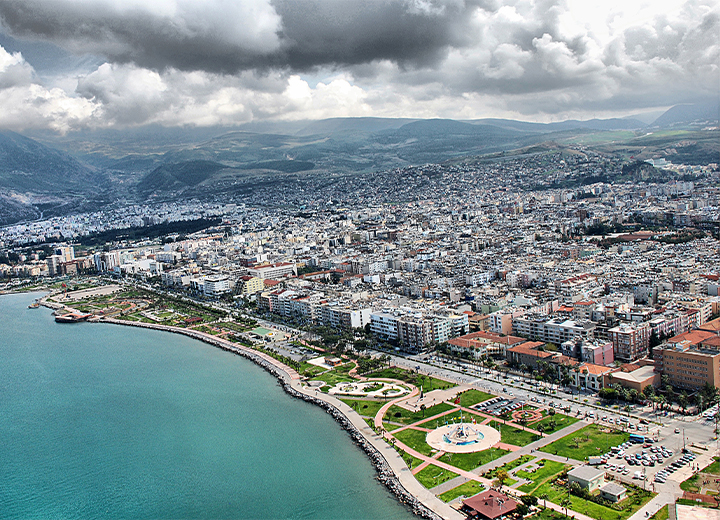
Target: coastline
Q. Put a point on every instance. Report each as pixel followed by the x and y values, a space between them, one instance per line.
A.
pixel 391 468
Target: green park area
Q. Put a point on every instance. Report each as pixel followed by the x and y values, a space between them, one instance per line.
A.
pixel 332 377
pixel 468 489
pixel 414 439
pixel 549 514
pixel 553 423
pixel 433 476
pixel 453 417
pixel 511 435
pixel 662 514
pixel 590 441
pixel 471 397
pixel 427 383
pixel 412 462
pixel 508 466
pixel 709 474
pixel 546 470
pixel 470 461
pixel 366 408
pixel 542 484
pixel 403 416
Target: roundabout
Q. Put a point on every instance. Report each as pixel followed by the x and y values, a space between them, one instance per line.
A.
pixel 528 415
pixel 463 438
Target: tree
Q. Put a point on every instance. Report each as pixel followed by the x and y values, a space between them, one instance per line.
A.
pixel 551 412
pixel 566 503
pixel 529 500
pixel 501 475
pixel 423 408
pixel 683 400
pixel 522 510
pixel 576 440
pixel 544 498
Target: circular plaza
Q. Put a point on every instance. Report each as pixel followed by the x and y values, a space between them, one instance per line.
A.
pixel 463 438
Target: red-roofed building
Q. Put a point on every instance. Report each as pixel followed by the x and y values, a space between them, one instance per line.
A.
pixel 481 343
pixel 528 354
pixel 489 505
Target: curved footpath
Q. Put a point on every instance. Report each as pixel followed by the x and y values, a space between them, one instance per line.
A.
pixel 391 468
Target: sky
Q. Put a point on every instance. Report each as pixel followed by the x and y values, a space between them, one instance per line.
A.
pixel 81 64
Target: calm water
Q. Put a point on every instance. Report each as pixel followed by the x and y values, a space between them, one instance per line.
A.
pixel 106 421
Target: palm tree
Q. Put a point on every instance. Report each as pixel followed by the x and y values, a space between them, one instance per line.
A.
pixel 565 503
pixel 544 497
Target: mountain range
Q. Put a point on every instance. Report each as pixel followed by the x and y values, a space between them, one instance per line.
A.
pixel 45 173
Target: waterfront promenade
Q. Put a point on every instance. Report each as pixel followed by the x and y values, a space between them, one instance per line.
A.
pixel 293 380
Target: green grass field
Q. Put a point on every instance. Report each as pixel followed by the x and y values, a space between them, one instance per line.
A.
pixel 333 378
pixel 427 383
pixel 466 417
pixel 662 513
pixel 471 397
pixel 468 489
pixel 635 500
pixel 512 464
pixel 401 415
pixel 415 439
pixel 561 421
pixel 433 476
pixel 539 476
pixel 470 461
pixel 366 408
pixel 590 442
pixel 512 435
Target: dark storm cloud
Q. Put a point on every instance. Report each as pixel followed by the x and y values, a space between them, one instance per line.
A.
pixel 298 35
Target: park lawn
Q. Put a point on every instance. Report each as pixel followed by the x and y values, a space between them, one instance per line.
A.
pixel 468 489
pixel 412 462
pixel 591 442
pixel 332 378
pixel 427 383
pixel 662 513
pixel 690 485
pixel 561 421
pixel 549 514
pixel 365 408
pixel 471 397
pixel 434 476
pixel 390 426
pixel 512 435
pixel 512 464
pixel 540 476
pixel 467 418
pixel 470 461
pixel 310 370
pixel 401 415
pixel 713 468
pixel 415 439
pixel 593 510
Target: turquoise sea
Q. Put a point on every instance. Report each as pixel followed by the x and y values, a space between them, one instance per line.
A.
pixel 112 422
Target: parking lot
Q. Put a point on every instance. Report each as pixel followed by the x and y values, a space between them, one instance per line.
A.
pixel 651 461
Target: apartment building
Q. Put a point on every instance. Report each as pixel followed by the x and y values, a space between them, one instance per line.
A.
pixel 552 329
pixel 630 341
pixel 278 270
pixel 690 360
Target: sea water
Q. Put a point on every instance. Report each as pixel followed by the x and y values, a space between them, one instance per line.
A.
pixel 114 422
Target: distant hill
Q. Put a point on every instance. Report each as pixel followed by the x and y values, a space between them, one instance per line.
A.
pixel 178 176
pixel 352 124
pixel 591 124
pixel 688 113
pixel 29 166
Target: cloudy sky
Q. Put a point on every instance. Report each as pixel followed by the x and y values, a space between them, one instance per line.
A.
pixel 71 64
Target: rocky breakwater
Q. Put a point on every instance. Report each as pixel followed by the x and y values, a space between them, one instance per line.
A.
pixel 386 475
